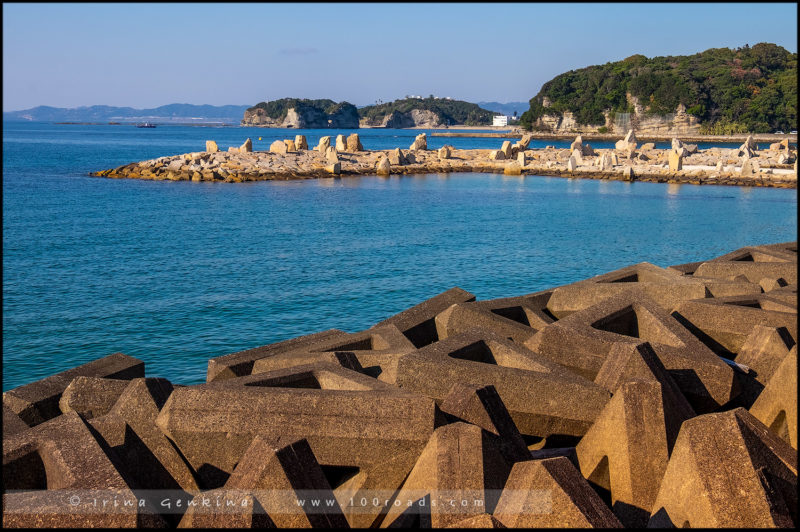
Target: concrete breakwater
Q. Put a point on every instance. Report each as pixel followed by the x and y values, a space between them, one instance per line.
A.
pixel 660 396
pixel 767 138
pixel 749 165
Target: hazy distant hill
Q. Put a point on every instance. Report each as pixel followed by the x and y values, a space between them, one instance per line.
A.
pixel 176 112
pixel 506 108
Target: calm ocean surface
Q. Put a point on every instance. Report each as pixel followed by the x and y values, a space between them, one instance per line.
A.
pixel 176 273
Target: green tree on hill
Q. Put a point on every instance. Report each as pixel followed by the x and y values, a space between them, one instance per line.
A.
pixel 449 111
pixel 748 89
pixel 277 109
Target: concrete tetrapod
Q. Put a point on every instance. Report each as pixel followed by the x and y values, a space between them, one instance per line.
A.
pixel 12 423
pixel 762 352
pixel 53 472
pixel 543 398
pixel 666 288
pixel 38 401
pixel 725 322
pixel 482 406
pixel 241 363
pixel 753 271
pixel 225 508
pixel 418 323
pixel 582 341
pixel 627 449
pixel 350 420
pixel 146 455
pixel 728 470
pixel 91 396
pixel 374 352
pixel 280 477
pixel 551 493
pixel 517 318
pixel 459 475
pixel 776 407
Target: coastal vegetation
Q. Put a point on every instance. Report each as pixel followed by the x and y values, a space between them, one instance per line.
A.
pixel 728 90
pixel 447 111
pixel 278 109
pixel 302 113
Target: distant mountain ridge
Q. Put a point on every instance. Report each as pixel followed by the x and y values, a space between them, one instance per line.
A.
pixel 176 112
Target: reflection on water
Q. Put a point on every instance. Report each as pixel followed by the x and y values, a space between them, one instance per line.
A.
pixel 574 185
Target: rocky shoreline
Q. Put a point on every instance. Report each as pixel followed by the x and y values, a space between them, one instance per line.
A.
pixel 749 165
pixel 491 132
pixel 645 396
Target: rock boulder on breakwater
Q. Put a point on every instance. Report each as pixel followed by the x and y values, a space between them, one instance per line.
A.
pixel 645 396
pixel 290 159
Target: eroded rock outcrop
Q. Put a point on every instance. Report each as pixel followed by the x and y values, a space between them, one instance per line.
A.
pixel 420 142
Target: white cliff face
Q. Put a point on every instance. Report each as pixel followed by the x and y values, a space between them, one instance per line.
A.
pixel 258 117
pixel 678 123
pixel 308 117
pixel 638 110
pixel 397 120
pixel 425 118
pixel 293 120
pixel 412 118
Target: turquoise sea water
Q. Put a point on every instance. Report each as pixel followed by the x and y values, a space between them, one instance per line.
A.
pixel 176 273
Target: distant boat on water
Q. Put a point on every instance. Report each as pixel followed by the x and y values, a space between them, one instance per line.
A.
pixel 145 124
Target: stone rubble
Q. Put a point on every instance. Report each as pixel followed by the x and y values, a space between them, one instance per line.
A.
pixel 290 159
pixel 420 143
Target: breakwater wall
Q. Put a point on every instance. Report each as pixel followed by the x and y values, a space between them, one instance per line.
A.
pixel 455 412
pixel 772 167
pixel 649 137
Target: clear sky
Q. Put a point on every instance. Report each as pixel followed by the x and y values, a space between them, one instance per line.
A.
pixel 146 55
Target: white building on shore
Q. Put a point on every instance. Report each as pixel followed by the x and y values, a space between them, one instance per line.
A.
pixel 500 120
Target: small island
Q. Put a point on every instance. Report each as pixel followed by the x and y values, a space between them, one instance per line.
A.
pixel 410 112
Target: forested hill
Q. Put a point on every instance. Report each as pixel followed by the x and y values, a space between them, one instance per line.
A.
pixel 302 113
pixel 748 89
pixel 425 111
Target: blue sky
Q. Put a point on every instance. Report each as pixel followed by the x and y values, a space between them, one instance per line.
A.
pixel 146 55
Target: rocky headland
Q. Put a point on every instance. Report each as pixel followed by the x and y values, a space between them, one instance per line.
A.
pixel 749 165
pixel 718 91
pixel 302 114
pixel 643 397
pixel 418 112
pixel 400 120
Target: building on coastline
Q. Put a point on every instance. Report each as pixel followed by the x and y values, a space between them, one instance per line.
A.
pixel 500 120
